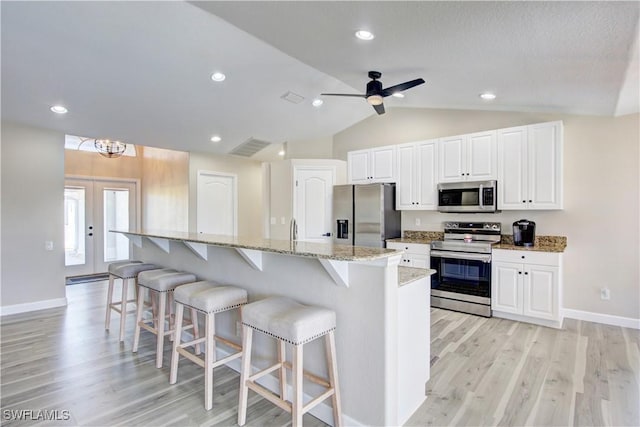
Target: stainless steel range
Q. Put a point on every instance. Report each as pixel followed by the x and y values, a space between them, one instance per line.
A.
pixel 463 267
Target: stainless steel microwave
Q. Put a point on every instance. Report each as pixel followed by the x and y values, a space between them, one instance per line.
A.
pixel 467 197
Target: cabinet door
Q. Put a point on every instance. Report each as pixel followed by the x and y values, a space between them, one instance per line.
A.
pixel 427 175
pixel 481 153
pixel 451 155
pixel 358 165
pixel 383 161
pixel 419 260
pixel 512 154
pixel 406 198
pixel 544 150
pixel 540 292
pixel 506 287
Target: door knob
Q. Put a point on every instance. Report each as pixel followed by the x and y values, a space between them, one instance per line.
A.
pixel 327 234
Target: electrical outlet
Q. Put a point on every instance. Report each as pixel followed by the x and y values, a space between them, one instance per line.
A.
pixel 48 245
pixel 417 221
pixel 605 294
pixel 238 329
pixel 273 220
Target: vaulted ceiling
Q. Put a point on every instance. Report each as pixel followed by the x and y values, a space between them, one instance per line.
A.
pixel 140 71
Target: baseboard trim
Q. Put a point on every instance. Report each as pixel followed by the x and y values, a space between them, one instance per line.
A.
pixel 607 319
pixel 32 306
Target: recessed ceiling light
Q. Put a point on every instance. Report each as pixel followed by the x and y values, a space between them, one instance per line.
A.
pixel 398 94
pixel 281 153
pixel 218 77
pixel 487 96
pixel 364 35
pixel 59 109
pixel 216 138
pixel 317 102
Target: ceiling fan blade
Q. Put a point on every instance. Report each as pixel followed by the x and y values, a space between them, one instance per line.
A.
pixel 343 94
pixel 379 108
pixel 402 86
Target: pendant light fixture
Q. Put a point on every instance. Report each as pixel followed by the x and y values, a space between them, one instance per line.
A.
pixel 109 148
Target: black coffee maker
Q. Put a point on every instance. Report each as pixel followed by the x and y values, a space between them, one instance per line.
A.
pixel 524 232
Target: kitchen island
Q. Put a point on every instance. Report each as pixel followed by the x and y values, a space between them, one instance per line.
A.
pixel 382 333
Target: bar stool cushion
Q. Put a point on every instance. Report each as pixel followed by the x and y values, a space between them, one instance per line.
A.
pixel 288 320
pixel 165 279
pixel 114 265
pixel 210 297
pixel 131 270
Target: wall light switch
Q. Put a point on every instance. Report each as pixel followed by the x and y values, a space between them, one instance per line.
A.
pixel 48 245
pixel 273 220
pixel 605 294
pixel 417 221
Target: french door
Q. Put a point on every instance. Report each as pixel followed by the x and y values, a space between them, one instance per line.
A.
pixel 92 207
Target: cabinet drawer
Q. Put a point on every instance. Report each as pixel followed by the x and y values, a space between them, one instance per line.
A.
pixel 414 248
pixel 526 257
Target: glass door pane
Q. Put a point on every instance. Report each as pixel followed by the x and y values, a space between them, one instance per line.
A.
pixel 74 226
pixel 116 217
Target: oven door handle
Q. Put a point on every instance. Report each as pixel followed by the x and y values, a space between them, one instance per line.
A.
pixel 462 255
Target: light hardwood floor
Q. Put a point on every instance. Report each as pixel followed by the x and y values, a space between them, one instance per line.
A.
pixel 484 372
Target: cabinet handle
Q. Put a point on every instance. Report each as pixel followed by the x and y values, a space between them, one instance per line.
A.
pixel 522 257
pixel 526 272
pixel 519 272
pixel 530 201
pixel 524 201
pixel 461 174
pixel 467 173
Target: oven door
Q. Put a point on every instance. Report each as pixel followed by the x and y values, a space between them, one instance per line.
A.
pixel 461 275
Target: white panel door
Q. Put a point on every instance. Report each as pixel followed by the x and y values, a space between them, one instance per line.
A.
pixel 427 180
pixel 540 283
pixel 451 159
pixel 93 207
pixel 544 166
pixel 481 156
pixel 512 172
pixel 506 287
pixel 406 197
pixel 313 203
pixel 358 165
pixel 383 161
pixel 217 205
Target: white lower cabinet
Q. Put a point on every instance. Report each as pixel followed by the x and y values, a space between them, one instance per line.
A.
pixel 416 255
pixel 527 286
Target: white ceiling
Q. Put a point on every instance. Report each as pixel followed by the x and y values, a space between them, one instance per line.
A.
pixel 140 71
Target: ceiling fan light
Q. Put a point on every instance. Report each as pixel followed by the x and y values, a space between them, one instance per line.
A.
pixel 374 99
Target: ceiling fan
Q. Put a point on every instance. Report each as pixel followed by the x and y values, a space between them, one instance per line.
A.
pixel 375 92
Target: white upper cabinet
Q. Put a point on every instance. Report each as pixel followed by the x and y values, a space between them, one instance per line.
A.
pixel 530 167
pixel 471 157
pixel 417 176
pixel 372 165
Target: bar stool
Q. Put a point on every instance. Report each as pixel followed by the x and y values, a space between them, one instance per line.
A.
pixel 161 282
pixel 125 271
pixel 207 298
pixel 296 324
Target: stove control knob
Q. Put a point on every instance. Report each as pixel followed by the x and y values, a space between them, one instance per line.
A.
pixel 453 225
pixel 494 226
pixel 486 226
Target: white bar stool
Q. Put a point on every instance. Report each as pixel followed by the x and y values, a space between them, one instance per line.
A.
pixel 125 271
pixel 296 324
pixel 207 298
pixel 160 283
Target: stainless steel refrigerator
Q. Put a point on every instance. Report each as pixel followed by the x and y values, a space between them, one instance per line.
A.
pixel 365 215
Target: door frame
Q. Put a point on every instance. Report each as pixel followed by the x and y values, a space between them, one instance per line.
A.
pixel 294 199
pixel 102 179
pixel 234 177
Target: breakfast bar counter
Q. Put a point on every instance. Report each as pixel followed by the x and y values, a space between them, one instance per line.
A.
pixel 382 334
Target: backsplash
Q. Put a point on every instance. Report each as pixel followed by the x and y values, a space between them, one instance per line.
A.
pixel 423 235
pixel 507 239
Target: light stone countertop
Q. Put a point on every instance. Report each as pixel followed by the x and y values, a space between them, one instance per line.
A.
pixel 286 247
pixel 409 274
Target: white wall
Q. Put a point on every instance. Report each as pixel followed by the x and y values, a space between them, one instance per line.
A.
pixel 250 218
pixel 319 148
pixel 32 213
pixel 601 218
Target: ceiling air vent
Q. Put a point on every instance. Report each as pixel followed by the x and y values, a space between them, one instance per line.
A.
pixel 293 98
pixel 249 147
